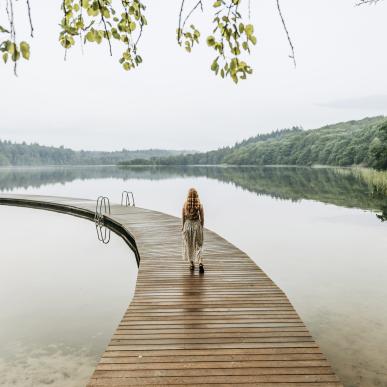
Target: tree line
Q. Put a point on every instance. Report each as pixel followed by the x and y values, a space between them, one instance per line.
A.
pixel 14 154
pixel 362 142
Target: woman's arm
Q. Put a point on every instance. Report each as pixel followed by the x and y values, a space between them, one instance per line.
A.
pixel 201 215
pixel 182 218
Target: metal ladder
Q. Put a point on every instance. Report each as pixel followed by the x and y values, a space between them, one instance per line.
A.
pixel 102 207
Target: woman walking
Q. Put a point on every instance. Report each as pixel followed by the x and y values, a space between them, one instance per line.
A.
pixel 192 230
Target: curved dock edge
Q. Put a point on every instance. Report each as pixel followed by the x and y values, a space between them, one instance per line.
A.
pixel 79 212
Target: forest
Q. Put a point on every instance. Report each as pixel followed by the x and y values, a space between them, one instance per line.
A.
pixel 14 154
pixel 362 142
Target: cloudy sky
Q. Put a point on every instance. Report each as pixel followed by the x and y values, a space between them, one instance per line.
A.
pixel 173 100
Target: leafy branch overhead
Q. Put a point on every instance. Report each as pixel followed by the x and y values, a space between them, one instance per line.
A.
pixel 231 37
pixel 9 47
pixel 123 21
pixel 93 21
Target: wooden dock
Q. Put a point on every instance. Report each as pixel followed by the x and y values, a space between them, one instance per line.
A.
pixel 231 326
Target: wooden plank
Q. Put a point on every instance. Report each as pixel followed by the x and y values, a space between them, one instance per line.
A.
pixel 198 380
pixel 265 365
pixel 231 326
pixel 269 359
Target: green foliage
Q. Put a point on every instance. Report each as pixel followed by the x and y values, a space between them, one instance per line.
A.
pixel 94 21
pixel 34 154
pixel 378 149
pixel 376 180
pixel 230 38
pixel 361 142
pixel 123 21
pixel 13 50
pixel 188 38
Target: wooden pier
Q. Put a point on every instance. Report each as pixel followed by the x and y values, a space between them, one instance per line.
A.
pixel 231 326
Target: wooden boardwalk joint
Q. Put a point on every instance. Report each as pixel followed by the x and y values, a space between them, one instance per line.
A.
pixel 231 326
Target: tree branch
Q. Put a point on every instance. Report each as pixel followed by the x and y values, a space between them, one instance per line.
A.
pixel 199 3
pixel 179 27
pixel 30 18
pixel 292 56
pixel 106 30
pixel 11 19
pixel 138 38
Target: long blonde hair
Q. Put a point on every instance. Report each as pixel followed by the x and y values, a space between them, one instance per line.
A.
pixel 192 203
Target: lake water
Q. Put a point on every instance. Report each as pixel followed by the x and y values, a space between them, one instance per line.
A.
pixel 315 232
pixel 62 294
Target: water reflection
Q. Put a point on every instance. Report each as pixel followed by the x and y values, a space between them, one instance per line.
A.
pixel 102 208
pixel 383 215
pixel 60 301
pixel 327 185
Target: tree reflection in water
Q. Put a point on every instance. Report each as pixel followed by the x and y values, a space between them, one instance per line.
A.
pixel 338 186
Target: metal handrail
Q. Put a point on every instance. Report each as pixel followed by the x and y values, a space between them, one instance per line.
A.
pixel 125 197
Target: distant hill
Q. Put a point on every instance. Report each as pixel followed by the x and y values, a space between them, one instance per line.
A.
pixel 35 154
pixel 362 142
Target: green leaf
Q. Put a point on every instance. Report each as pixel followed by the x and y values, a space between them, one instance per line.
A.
pixel 2 29
pixel 98 36
pixel 105 13
pixel 25 50
pixel 115 34
pixel 5 57
pixel 217 4
pixel 249 29
pixel 215 65
pixel 15 53
pixel 235 50
pixel 10 47
pixel 132 26
pixel 90 36
pixel 211 41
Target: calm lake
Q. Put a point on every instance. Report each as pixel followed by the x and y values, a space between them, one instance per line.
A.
pixel 318 233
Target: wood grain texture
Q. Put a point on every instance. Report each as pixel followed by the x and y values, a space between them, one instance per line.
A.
pixel 231 326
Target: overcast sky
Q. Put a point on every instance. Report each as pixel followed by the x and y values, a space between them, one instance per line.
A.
pixel 174 101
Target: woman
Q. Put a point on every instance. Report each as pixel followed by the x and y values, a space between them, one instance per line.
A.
pixel 192 230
